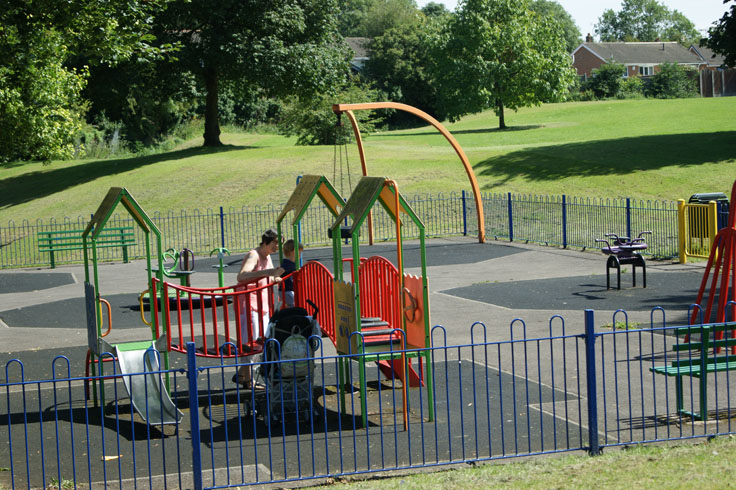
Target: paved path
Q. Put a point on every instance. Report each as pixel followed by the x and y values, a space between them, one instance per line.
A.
pixel 494 283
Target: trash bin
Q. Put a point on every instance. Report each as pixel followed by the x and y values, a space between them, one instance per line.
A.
pixel 722 205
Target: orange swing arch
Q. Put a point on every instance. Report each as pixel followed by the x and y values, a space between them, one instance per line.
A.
pixel 348 110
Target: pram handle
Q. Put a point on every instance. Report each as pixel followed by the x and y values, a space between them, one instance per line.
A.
pixel 314 307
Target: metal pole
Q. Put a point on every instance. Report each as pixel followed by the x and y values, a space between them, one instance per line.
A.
pixel 222 227
pixel 511 219
pixel 194 416
pixel 465 215
pixel 564 221
pixel 590 375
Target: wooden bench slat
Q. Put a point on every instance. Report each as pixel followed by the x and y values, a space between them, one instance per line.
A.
pixel 694 369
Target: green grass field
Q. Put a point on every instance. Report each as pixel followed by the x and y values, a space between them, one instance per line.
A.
pixel 648 149
pixel 703 465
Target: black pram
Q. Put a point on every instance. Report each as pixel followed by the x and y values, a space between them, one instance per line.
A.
pixel 289 382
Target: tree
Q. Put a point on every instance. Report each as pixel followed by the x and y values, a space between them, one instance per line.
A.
pixel 434 9
pixel 45 46
pixel 551 9
pixel 722 36
pixel 283 47
pixel 387 14
pixel 497 54
pixel 399 64
pixel 646 21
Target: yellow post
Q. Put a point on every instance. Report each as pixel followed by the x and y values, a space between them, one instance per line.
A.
pixel 712 223
pixel 681 230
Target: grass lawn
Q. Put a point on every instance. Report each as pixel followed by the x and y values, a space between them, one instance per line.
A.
pixel 647 149
pixel 703 465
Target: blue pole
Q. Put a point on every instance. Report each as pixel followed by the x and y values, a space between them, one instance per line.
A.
pixel 628 217
pixel 511 220
pixel 222 227
pixel 590 337
pixel 564 221
pixel 465 216
pixel 194 416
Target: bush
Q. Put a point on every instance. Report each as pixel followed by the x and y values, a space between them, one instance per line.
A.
pixel 674 81
pixel 315 124
pixel 631 88
pixel 606 81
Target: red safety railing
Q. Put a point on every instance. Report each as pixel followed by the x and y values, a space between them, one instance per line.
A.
pixel 213 317
pixel 379 290
pixel 314 282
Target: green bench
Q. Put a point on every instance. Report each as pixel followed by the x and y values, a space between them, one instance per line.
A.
pixel 698 357
pixel 59 241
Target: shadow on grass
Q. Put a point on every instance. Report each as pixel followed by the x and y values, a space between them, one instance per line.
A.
pixel 42 183
pixel 431 130
pixel 608 157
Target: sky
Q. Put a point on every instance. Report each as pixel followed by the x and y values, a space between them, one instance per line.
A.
pixel 586 12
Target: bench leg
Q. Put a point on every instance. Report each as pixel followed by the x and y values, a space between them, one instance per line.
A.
pixel 679 395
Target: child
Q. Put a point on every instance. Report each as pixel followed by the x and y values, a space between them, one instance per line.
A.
pixel 289 266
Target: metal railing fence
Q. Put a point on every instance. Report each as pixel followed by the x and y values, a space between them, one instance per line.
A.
pixel 551 220
pixel 550 392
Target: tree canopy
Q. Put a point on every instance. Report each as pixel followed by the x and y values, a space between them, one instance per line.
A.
pixel 552 9
pixel 722 36
pixel 498 54
pixel 646 21
pixel 399 64
pixel 281 47
pixel 45 47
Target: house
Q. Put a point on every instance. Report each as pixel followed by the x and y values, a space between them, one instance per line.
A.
pixel 359 45
pixel 640 59
pixel 716 79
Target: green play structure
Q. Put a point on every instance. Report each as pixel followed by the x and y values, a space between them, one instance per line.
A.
pixel 148 390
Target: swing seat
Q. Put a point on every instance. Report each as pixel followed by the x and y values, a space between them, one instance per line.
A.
pixel 345 232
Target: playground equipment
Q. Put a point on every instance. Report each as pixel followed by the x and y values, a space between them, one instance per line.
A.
pixel 221 252
pixel 312 281
pixel 622 250
pixel 348 109
pixel 382 315
pixel 721 262
pixel 148 393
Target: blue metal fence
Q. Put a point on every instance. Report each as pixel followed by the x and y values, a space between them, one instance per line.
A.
pixel 552 220
pixel 542 389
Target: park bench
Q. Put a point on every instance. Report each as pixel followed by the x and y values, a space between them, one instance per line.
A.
pixel 706 352
pixel 622 250
pixel 61 241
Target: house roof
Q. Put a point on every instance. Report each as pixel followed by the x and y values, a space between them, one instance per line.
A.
pixel 641 53
pixel 707 54
pixel 359 45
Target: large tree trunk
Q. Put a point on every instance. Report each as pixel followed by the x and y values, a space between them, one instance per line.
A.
pixel 211 116
pixel 499 108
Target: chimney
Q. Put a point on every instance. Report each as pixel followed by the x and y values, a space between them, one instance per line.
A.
pixel 588 38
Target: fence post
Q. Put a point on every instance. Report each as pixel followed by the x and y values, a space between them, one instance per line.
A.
pixel 564 221
pixel 222 227
pixel 465 215
pixel 194 416
pixel 682 234
pixel 511 220
pixel 628 217
pixel 590 375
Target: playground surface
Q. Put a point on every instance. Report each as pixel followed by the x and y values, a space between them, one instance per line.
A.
pixel 42 311
pixel 42 316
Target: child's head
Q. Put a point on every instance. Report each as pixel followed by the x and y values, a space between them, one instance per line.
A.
pixel 288 249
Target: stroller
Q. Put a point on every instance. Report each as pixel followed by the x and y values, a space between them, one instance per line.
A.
pixel 289 382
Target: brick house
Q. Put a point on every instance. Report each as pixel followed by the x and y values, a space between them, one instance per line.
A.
pixel 640 59
pixel 359 46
